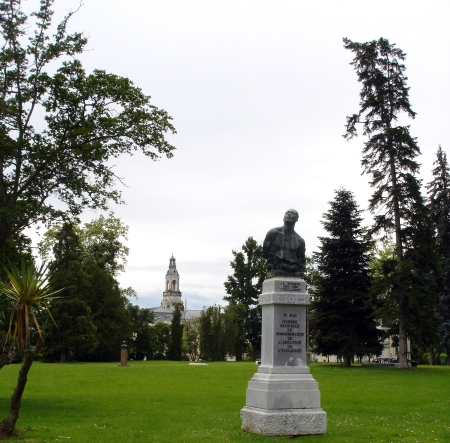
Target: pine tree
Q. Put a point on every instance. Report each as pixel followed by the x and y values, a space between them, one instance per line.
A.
pixel 176 334
pixel 389 156
pixel 87 261
pixel 343 319
pixel 439 193
pixel 212 334
pixel 109 312
pixel 72 334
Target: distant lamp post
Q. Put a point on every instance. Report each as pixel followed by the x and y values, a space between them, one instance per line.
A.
pixel 123 354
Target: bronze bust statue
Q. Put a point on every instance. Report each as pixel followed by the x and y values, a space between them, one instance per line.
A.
pixel 284 249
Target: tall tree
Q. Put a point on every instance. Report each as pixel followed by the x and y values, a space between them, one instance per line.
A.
pixel 243 288
pixel 88 260
pixel 439 193
pixel 389 156
pixel 71 334
pixel 176 334
pixel 142 342
pixel 343 318
pixel 212 334
pixel 191 338
pixel 60 125
pixel 162 340
pixel 109 312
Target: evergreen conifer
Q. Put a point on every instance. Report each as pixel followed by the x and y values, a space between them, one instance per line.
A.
pixel 342 317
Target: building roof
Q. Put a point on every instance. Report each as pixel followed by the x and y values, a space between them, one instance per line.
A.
pixel 191 314
pixel 166 315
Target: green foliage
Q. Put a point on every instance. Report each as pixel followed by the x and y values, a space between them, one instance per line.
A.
pixel 92 320
pixel 16 249
pixel 101 240
pixel 142 341
pixel 191 338
pixel 109 312
pixel 439 193
pixel 72 335
pixel 60 125
pixel 243 289
pixel 342 318
pixel 162 340
pixel 389 156
pixel 382 269
pixel 176 334
pixel 212 344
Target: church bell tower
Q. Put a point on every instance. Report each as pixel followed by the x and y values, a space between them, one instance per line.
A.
pixel 172 293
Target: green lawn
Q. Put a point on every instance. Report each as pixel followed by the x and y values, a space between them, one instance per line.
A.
pixel 157 401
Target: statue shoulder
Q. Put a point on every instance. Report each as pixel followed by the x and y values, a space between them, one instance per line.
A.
pixel 273 232
pixel 299 238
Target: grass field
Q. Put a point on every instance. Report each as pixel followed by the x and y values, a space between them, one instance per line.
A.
pixel 158 401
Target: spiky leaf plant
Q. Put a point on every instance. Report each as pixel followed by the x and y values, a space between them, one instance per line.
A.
pixel 30 293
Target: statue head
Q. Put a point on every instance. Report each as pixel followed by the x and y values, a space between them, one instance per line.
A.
pixel 291 216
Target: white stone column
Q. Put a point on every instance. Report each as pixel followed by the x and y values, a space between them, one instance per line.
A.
pixel 283 398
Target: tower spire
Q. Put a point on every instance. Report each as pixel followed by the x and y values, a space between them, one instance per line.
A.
pixel 172 293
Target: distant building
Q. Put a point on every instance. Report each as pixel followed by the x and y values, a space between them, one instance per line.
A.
pixel 172 293
pixel 171 296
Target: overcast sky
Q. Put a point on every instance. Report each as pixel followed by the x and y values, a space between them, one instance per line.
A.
pixel 259 92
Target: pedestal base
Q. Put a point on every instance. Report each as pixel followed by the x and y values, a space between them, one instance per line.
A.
pixel 284 421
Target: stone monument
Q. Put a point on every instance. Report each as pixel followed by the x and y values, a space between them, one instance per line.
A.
pixel 123 354
pixel 283 398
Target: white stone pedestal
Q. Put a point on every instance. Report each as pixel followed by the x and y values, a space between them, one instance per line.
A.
pixel 282 397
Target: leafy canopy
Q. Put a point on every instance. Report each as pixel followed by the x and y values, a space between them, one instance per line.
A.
pixel 60 126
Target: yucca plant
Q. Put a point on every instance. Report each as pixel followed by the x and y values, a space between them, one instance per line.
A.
pixel 29 291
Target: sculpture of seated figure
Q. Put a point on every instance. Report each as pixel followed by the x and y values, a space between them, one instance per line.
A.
pixel 284 249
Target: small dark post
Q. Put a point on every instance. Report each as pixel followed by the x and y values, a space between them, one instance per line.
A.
pixel 123 354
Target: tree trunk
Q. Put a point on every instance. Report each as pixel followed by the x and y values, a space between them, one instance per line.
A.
pixel 431 356
pixel 448 359
pixel 346 361
pixel 63 356
pixel 402 338
pixel 7 426
pixel 238 350
pixel 402 345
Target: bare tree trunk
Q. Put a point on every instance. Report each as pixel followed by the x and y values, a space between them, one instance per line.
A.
pixel 346 361
pixel 448 359
pixel 7 426
pixel 402 345
pixel 431 356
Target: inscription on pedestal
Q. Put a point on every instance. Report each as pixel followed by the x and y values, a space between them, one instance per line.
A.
pixel 289 336
pixel 291 286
